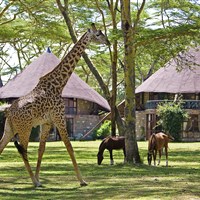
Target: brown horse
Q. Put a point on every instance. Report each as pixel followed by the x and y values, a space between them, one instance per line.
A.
pixel 111 143
pixel 157 142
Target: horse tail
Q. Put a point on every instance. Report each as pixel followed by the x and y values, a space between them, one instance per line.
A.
pixel 170 138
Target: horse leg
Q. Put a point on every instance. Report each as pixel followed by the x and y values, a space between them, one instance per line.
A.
pixel 124 150
pixel 160 153
pixel 154 156
pixel 166 152
pixel 111 157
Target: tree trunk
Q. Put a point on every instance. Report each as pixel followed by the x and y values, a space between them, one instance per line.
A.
pixel 119 122
pixel 113 55
pixel 1 82
pixel 114 89
pixel 132 152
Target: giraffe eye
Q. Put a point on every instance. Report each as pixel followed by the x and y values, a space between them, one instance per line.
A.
pixel 98 33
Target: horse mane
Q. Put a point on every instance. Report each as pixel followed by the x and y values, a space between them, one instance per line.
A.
pixel 102 143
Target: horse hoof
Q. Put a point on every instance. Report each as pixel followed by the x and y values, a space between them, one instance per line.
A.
pixel 83 183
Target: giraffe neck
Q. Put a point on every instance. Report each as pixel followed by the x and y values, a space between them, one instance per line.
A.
pixel 56 80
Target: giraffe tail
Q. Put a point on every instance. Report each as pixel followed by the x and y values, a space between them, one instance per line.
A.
pixel 20 149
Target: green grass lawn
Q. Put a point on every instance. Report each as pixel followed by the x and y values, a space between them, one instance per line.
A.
pixel 181 180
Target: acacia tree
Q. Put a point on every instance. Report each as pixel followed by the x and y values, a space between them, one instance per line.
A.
pixel 27 29
pixel 110 96
pixel 135 36
pixel 132 153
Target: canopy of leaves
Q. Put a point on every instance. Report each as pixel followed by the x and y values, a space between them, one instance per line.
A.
pixel 29 27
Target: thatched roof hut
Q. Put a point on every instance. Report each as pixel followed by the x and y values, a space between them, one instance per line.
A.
pixel 169 80
pixel 24 82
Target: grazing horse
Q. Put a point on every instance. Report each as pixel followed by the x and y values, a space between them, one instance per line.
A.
pixel 156 143
pixel 111 143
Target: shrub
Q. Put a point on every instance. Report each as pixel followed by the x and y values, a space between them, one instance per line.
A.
pixel 171 116
pixel 103 131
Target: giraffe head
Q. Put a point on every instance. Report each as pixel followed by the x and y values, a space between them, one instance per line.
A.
pixel 97 36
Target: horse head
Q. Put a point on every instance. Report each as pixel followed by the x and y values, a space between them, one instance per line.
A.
pixel 149 157
pixel 151 147
pixel 99 158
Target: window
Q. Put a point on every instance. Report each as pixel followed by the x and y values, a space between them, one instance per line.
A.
pixel 71 106
pixel 151 126
pixel 70 126
pixel 193 123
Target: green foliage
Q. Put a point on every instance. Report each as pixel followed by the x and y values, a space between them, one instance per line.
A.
pixel 29 27
pixel 103 131
pixel 172 116
pixel 178 181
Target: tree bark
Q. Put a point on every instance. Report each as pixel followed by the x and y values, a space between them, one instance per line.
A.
pixel 132 152
pixel 114 55
pixel 1 82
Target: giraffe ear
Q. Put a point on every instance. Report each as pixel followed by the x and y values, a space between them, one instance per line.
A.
pixel 93 27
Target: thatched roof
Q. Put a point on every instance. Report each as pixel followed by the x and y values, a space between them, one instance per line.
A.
pixel 24 82
pixel 169 80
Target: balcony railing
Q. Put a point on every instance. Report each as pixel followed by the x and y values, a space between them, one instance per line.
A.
pixel 187 104
pixel 70 110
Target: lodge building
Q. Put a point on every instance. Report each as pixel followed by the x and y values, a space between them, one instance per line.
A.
pixel 162 86
pixel 83 105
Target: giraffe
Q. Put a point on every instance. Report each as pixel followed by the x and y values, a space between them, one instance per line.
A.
pixel 44 106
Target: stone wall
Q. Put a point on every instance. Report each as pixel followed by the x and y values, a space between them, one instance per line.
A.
pixel 84 123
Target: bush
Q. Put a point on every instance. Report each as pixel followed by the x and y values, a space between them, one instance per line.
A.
pixel 172 116
pixel 103 131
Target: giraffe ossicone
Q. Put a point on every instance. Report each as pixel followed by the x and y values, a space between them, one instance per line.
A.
pixel 44 106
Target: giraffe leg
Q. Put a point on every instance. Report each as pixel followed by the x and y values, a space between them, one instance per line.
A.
pixel 43 137
pixel 22 148
pixel 7 136
pixel 65 139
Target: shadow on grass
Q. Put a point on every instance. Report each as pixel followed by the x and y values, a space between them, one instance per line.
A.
pixel 105 182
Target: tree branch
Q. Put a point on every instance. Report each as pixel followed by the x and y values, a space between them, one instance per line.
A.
pixel 138 14
pixel 6 8
pixel 167 35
